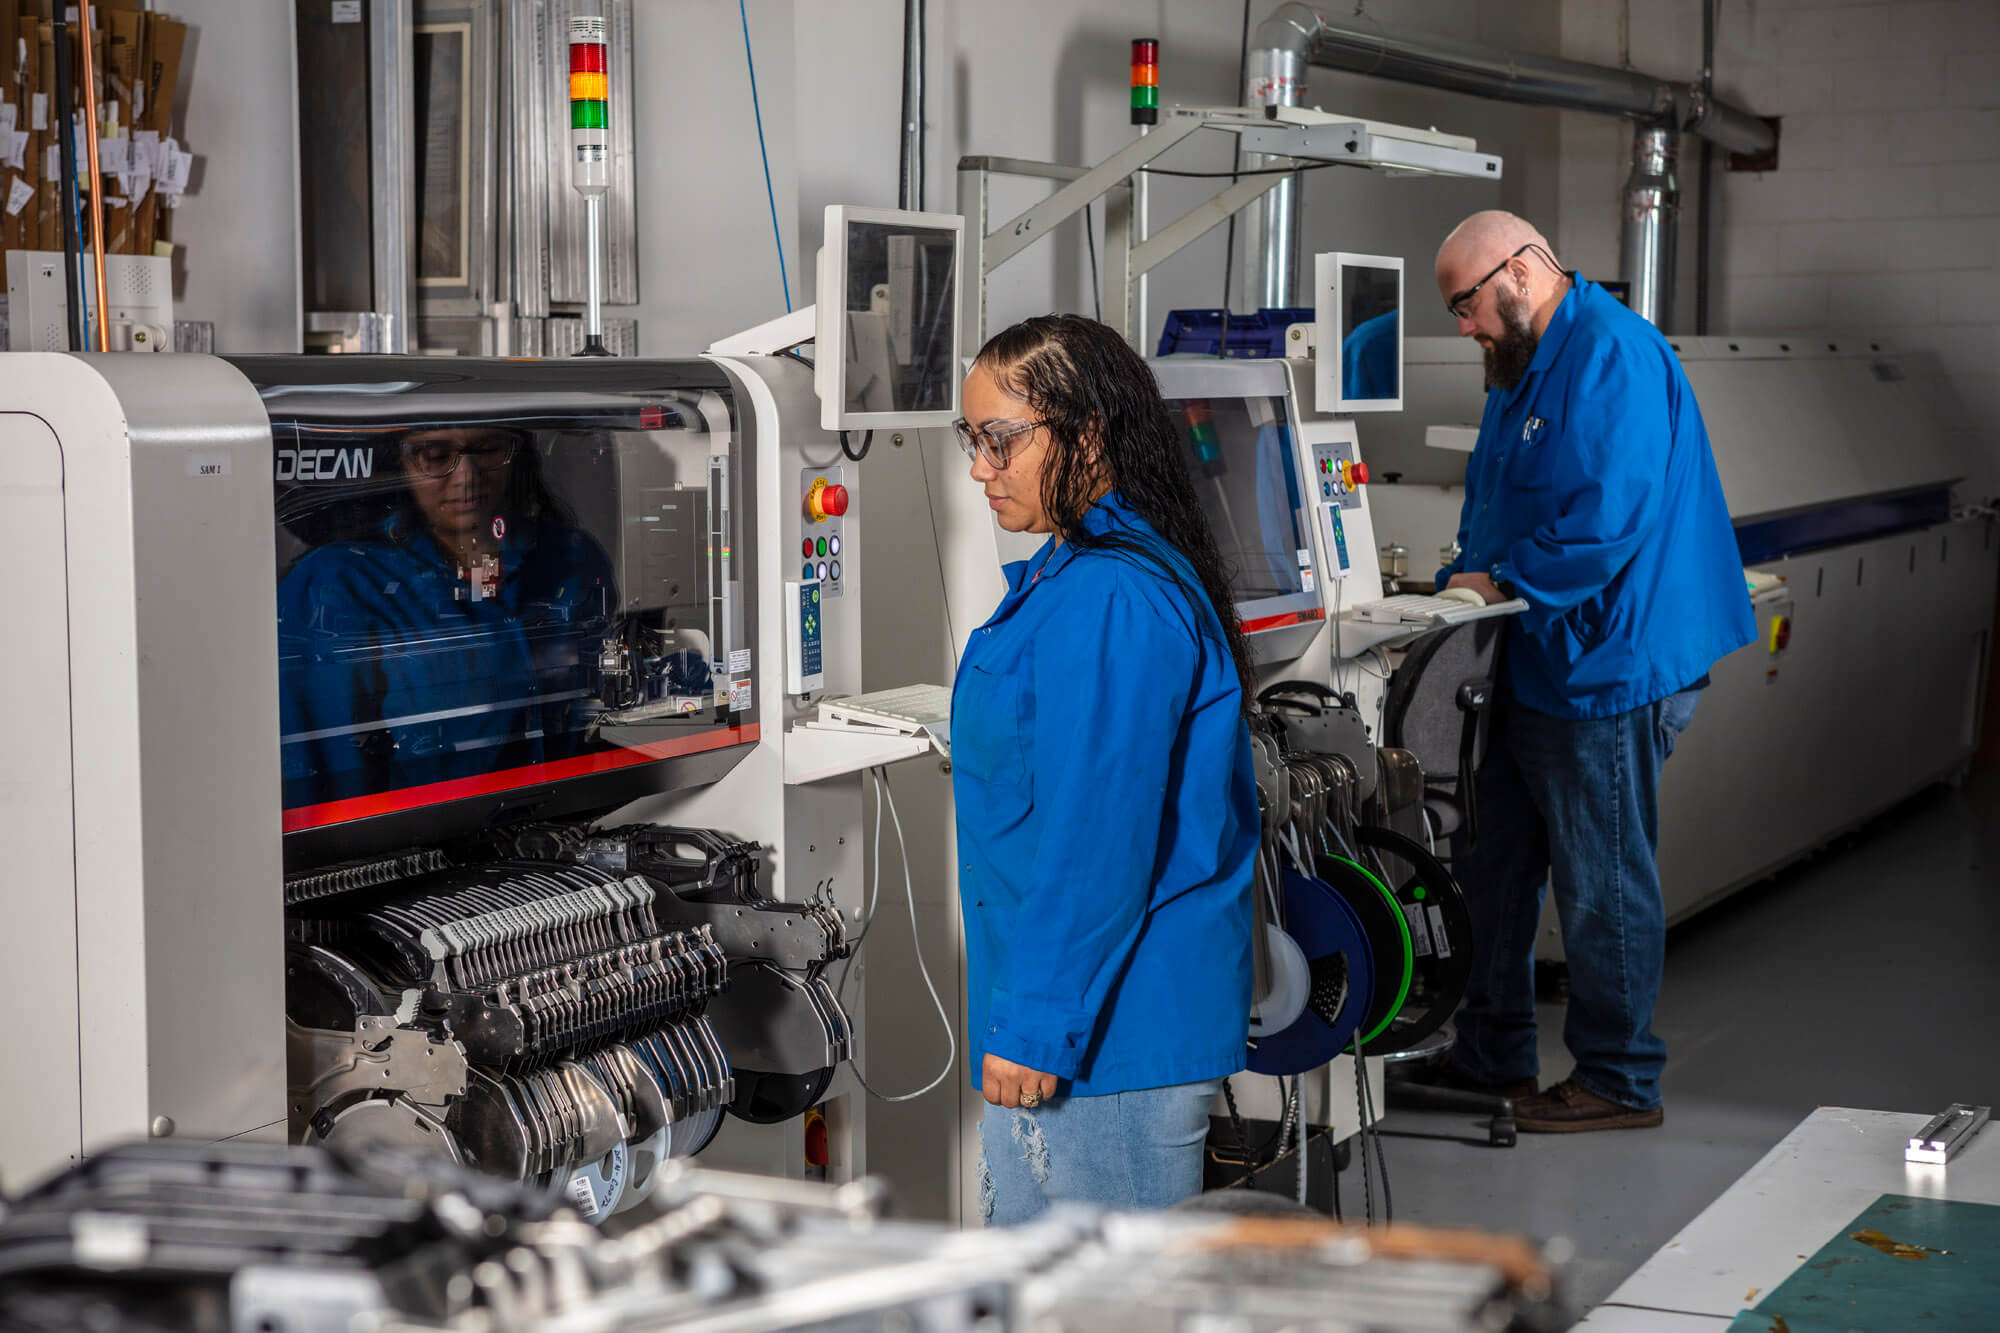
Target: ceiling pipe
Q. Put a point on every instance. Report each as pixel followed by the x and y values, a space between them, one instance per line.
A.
pixel 1299 34
pixel 1277 77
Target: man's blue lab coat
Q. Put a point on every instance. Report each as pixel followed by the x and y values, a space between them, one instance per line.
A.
pixel 1592 494
pixel 1107 823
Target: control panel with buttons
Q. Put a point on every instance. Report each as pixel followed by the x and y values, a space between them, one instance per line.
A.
pixel 1337 476
pixel 824 501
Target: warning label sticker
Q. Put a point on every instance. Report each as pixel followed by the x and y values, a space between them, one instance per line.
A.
pixel 1441 941
pixel 1420 934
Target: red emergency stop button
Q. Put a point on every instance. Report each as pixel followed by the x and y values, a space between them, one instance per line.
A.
pixel 825 501
pixel 1358 475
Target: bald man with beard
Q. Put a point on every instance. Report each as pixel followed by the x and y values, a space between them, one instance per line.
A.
pixel 1592 495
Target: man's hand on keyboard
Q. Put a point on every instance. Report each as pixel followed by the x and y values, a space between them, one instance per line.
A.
pixel 1482 584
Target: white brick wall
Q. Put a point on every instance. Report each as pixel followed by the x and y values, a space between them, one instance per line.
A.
pixel 1884 214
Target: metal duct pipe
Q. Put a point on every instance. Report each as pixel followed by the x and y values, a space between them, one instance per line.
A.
pixel 1277 78
pixel 910 177
pixel 1298 32
pixel 1509 76
pixel 1652 206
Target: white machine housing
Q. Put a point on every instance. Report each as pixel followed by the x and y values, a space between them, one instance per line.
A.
pixel 140 797
pixel 139 791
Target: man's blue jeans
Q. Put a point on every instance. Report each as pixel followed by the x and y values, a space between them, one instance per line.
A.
pixel 1130 1150
pixel 1572 804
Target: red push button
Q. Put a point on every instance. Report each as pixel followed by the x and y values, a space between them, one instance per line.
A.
pixel 1359 476
pixel 825 501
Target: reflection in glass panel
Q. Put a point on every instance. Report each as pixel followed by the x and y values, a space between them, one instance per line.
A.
pixel 1239 452
pixel 526 590
pixel 901 300
pixel 1369 350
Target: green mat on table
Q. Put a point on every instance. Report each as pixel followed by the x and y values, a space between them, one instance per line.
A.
pixel 1903 1264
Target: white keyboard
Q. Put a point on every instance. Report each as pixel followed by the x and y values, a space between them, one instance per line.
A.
pixel 908 709
pixel 1415 609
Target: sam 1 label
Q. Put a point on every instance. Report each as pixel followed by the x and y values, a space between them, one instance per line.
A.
pixel 208 465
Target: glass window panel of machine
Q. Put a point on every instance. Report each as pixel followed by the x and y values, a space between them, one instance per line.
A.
pixel 515 589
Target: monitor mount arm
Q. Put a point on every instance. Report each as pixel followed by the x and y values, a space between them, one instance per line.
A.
pixel 1293 136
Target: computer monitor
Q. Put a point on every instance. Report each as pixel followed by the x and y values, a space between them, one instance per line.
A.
pixel 1358 317
pixel 887 319
pixel 1234 418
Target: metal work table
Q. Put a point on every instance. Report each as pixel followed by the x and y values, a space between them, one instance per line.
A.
pixel 1824 1173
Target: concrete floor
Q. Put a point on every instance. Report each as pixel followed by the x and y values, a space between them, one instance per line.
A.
pixel 1867 977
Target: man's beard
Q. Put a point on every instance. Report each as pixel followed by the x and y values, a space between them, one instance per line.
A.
pixel 1508 358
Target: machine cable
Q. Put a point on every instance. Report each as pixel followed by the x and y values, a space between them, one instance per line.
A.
pixel 1361 1132
pixel 1235 163
pixel 853 455
pixel 884 795
pixel 1368 1133
pixel 1096 290
pixel 771 195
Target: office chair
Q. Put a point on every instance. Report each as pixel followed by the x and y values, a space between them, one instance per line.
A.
pixel 1439 707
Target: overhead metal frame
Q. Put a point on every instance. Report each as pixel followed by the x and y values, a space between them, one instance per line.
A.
pixel 1128 255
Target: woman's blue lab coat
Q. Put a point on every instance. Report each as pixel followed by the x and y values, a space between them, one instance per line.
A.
pixel 1107 822
pixel 384 637
pixel 1593 494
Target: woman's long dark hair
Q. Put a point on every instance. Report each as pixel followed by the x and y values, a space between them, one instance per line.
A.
pixel 1107 421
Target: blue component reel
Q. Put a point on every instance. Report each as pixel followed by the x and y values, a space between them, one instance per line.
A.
pixel 1342 972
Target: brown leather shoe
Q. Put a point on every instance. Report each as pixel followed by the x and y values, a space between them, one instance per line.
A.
pixel 1451 1076
pixel 1569 1109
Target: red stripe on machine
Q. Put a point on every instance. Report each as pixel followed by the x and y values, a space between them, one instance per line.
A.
pixel 509 779
pixel 1280 621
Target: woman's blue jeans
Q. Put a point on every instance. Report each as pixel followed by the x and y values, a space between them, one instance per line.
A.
pixel 1126 1150
pixel 1572 804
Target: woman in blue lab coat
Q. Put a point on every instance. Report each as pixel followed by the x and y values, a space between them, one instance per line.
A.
pixel 1107 809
